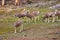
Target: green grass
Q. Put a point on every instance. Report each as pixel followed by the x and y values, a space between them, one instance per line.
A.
pixel 6 24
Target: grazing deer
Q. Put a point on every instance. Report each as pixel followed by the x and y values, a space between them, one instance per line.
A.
pixel 36 13
pixel 17 24
pixel 22 14
pixel 32 15
pixel 48 15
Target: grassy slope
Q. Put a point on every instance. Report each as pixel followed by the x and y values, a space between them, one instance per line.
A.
pixel 6 24
pixel 38 28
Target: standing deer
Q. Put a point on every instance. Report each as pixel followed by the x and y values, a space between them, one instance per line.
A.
pixel 57 14
pixel 36 13
pixel 32 15
pixel 48 15
pixel 22 14
pixel 51 14
pixel 17 24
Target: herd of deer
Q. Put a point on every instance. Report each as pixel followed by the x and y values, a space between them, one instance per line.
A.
pixel 34 15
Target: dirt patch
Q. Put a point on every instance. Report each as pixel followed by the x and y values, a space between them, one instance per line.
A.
pixel 36 33
pixel 32 38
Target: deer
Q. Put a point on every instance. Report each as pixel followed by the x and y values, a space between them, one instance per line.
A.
pixel 33 15
pixel 57 14
pixel 18 23
pixel 50 14
pixel 22 14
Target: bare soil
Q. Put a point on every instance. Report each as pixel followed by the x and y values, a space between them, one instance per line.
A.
pixel 36 33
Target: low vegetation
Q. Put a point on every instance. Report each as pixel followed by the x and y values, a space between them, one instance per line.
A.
pixel 6 21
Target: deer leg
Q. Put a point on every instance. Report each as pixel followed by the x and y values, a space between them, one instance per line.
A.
pixel 53 19
pixel 48 20
pixel 57 18
pixel 15 29
pixel 35 19
pixel 21 28
pixel 45 20
pixel 38 18
pixel 30 20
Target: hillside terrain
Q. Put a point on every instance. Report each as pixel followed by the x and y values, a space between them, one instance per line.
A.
pixel 32 31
